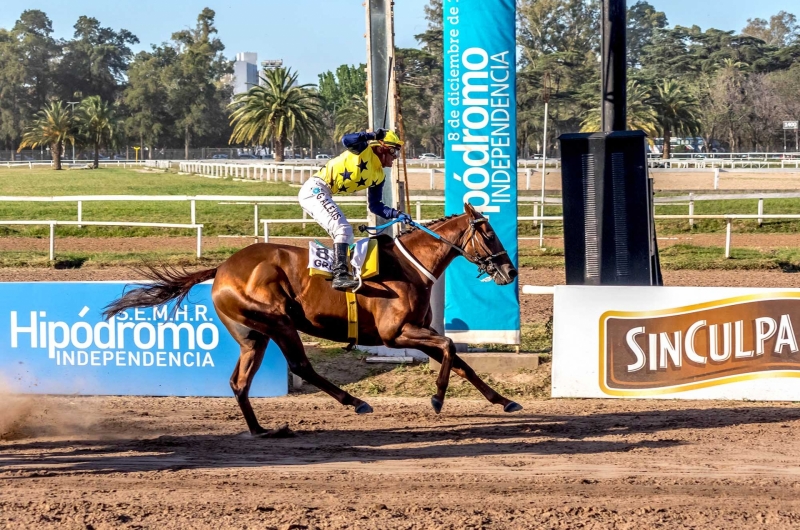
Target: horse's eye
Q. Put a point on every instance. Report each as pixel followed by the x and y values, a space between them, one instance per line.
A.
pixel 490 236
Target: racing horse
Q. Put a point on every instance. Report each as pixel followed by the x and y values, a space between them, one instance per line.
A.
pixel 264 292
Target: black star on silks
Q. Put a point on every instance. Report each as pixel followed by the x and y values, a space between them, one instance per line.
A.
pixel 346 174
pixel 342 188
pixel 362 182
pixel 362 165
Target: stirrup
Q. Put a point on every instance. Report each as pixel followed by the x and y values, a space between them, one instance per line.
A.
pixel 348 283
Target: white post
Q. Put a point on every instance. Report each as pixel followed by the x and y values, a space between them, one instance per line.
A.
pixel 527 178
pixel 199 240
pixel 80 213
pixel 266 232
pixel 760 211
pixel 419 210
pixel 728 240
pixel 691 210
pixel 305 216
pixel 433 182
pixel 544 172
pixel 255 220
pixel 535 214
pixel 292 175
pixel 283 174
pixel 194 212
pixel 52 241
pixel 716 178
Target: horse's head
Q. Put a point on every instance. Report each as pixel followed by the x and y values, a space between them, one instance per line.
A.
pixel 483 248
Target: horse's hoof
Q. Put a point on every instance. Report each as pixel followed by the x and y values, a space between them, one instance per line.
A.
pixel 512 407
pixel 437 404
pixel 279 432
pixel 364 408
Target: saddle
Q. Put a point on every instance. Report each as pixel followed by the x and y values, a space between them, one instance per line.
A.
pixel 364 264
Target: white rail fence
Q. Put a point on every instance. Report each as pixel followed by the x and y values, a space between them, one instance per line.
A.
pixel 54 224
pixel 419 200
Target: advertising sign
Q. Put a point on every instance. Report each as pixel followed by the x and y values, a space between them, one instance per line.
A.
pixel 481 158
pixel 53 340
pixel 676 342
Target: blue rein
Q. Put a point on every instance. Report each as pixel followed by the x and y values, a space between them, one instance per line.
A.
pixel 375 230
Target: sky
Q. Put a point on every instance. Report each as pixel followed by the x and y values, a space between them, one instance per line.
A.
pixel 313 36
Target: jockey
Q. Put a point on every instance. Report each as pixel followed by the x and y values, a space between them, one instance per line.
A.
pixel 358 168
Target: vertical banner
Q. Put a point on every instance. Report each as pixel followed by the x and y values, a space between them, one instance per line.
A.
pixel 481 158
pixel 54 340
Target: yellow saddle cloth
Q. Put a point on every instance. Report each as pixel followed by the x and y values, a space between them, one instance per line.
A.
pixel 364 263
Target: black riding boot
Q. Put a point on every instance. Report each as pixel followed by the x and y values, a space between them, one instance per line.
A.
pixel 342 280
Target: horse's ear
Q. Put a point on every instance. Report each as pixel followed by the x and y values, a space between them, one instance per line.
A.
pixel 469 209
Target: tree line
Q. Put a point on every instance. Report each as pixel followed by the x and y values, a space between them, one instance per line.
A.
pixel 732 89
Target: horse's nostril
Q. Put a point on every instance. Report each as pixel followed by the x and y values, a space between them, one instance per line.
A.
pixel 513 273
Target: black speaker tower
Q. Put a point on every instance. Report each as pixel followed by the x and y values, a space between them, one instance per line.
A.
pixel 609 228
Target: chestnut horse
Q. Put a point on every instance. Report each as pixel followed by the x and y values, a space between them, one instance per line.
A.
pixel 264 292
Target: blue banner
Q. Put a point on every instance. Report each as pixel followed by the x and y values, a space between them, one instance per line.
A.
pixel 53 340
pixel 481 158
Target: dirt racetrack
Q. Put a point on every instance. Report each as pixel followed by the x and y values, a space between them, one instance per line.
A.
pixel 123 462
pixel 182 463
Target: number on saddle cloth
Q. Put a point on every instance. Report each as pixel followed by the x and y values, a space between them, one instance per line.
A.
pixel 363 259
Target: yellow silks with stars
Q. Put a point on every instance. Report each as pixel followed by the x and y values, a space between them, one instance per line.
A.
pixel 349 172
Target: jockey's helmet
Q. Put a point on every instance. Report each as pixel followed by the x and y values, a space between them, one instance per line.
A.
pixel 391 139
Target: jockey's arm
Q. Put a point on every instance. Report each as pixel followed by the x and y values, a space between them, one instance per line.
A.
pixel 358 141
pixel 375 203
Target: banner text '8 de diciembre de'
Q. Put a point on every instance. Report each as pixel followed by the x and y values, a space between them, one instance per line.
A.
pixel 481 159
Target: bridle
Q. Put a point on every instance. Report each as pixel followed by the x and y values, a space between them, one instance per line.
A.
pixel 485 264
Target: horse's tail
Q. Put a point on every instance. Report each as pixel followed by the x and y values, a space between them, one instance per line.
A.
pixel 168 284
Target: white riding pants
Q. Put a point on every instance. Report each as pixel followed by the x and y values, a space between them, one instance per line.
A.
pixel 317 200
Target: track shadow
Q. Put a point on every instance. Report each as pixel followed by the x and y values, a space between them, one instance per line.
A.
pixel 472 436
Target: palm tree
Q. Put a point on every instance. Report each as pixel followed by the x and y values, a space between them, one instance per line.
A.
pixel 53 127
pixel 274 110
pixel 640 114
pixel 677 112
pixel 352 117
pixel 97 124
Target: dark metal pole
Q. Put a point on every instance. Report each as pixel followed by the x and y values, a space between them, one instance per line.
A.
pixel 614 65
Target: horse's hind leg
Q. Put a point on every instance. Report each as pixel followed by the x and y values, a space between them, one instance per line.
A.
pixel 290 344
pixel 252 347
pixel 439 348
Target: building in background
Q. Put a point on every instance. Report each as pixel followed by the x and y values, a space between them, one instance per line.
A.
pixel 271 64
pixel 245 72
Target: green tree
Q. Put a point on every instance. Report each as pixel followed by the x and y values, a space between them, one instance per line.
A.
pixel 420 85
pixel 354 116
pixel 677 112
pixel 27 53
pixel 12 90
pixel 781 30
pixel 275 110
pixel 95 61
pixel 641 116
pixel 146 97
pixel 643 21
pixel 53 126
pixel 97 125
pixel 197 95
pixel 562 38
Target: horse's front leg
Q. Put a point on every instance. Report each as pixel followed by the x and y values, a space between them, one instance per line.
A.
pixel 442 350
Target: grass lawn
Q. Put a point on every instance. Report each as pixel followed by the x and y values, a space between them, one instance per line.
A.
pixel 237 219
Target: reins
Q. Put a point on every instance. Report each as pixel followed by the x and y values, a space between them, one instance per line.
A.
pixel 482 263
